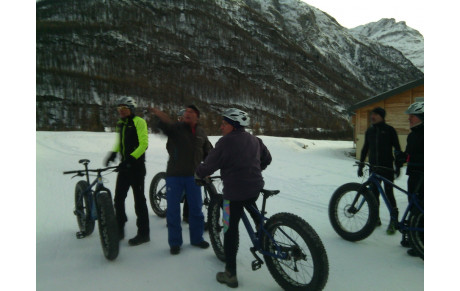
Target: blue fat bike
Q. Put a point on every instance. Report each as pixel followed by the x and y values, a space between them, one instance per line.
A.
pixel 292 250
pixel 354 210
pixel 96 204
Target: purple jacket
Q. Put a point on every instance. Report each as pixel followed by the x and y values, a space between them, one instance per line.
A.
pixel 241 157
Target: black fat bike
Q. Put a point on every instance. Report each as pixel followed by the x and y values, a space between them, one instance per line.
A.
pixel 94 202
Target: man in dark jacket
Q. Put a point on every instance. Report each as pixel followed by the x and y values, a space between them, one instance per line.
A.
pixel 132 142
pixel 380 139
pixel 187 146
pixel 241 157
pixel 414 156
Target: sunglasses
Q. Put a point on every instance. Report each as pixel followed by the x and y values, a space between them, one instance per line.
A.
pixel 121 107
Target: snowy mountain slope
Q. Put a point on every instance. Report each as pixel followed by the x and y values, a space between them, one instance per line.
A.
pixel 306 178
pixel 395 34
pixel 283 61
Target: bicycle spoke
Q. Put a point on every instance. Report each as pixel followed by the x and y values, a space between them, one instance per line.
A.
pixel 298 269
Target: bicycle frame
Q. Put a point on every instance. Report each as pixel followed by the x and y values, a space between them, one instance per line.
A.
pixel 375 179
pixel 257 239
pixel 99 185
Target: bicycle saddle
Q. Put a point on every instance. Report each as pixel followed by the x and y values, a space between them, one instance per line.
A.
pixel 84 161
pixel 269 193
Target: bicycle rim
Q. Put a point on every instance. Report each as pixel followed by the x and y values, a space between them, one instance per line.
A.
pixel 352 222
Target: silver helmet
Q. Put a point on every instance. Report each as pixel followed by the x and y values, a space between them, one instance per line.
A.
pixel 238 116
pixel 415 108
pixel 128 101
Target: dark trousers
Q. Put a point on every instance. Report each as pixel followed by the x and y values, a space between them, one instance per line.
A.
pixel 387 187
pixel 133 178
pixel 415 184
pixel 233 210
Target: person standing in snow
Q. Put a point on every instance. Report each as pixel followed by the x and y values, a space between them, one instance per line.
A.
pixel 380 139
pixel 132 142
pixel 414 156
pixel 187 146
pixel 241 157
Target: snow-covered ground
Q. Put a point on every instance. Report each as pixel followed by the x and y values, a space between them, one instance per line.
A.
pixel 307 177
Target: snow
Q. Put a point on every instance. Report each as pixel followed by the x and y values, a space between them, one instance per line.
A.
pixel 306 171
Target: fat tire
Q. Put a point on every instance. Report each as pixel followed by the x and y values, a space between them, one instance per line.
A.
pixel 108 228
pixel 153 198
pixel 215 226
pixel 416 238
pixel 83 208
pixel 312 242
pixel 334 210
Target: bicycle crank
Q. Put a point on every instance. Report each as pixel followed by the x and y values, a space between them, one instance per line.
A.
pixel 80 234
pixel 257 264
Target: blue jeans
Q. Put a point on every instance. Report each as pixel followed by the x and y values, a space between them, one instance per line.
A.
pixel 175 187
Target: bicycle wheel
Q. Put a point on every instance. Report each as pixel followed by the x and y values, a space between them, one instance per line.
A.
pixel 208 193
pixel 216 227
pixel 306 266
pixel 157 194
pixel 415 232
pixel 82 210
pixel 353 212
pixel 108 229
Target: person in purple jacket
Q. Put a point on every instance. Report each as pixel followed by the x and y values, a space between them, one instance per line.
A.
pixel 241 157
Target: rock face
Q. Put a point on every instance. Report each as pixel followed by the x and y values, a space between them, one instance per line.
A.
pixel 395 34
pixel 291 66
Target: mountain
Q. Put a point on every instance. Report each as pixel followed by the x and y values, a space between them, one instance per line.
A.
pixel 395 34
pixel 291 66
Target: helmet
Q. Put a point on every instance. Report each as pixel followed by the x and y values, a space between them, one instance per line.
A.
pixel 128 101
pixel 238 117
pixel 415 108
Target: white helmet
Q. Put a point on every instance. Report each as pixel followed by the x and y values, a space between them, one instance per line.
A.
pixel 128 101
pixel 238 116
pixel 415 108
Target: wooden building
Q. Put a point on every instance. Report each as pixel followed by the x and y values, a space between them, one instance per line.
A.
pixel 395 102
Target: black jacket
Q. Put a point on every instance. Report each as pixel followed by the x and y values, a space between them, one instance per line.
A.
pixel 379 141
pixel 241 157
pixel 186 149
pixel 415 149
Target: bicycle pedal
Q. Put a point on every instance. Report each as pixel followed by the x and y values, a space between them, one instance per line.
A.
pixel 80 234
pixel 256 265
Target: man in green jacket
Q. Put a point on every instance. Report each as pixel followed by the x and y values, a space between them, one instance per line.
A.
pixel 132 142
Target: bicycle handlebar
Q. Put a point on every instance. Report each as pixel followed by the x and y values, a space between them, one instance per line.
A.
pixel 373 166
pixel 94 170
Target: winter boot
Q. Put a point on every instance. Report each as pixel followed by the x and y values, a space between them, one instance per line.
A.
pixel 227 278
pixel 202 245
pixel 393 222
pixel 379 222
pixel 121 231
pixel 412 253
pixel 139 239
pixel 405 240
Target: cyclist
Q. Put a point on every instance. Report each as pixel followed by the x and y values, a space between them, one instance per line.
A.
pixel 241 157
pixel 132 142
pixel 380 138
pixel 187 146
pixel 414 157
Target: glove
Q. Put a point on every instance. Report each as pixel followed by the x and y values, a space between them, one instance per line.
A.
pixel 111 156
pixel 201 182
pixel 360 171
pixel 397 172
pixel 127 163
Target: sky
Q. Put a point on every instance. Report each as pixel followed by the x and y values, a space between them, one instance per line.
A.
pixel 352 13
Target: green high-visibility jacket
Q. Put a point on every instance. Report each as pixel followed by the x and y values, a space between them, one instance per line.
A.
pixel 132 138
